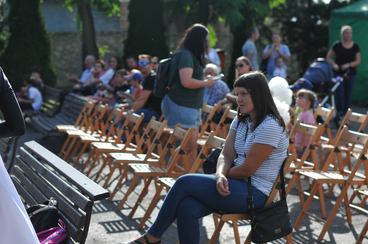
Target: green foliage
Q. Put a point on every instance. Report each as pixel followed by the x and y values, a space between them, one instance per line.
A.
pixel 305 27
pixel 146 29
pixel 212 36
pixel 110 7
pixel 28 46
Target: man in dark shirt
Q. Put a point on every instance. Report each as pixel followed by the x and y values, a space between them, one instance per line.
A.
pixel 147 103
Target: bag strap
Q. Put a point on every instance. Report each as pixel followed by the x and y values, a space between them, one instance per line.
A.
pixel 282 184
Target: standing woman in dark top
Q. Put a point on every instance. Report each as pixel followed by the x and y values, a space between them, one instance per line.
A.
pixel 16 226
pixel 184 99
pixel 344 56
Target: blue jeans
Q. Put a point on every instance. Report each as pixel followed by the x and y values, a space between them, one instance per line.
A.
pixel 343 95
pixel 194 196
pixel 177 114
pixel 148 114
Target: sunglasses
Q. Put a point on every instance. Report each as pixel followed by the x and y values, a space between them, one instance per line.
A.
pixel 143 63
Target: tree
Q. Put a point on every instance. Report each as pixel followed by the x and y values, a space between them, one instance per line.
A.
pixel 87 26
pixel 146 29
pixel 28 46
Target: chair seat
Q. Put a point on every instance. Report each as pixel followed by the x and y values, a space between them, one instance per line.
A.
pixel 167 181
pixel 88 138
pixel 146 169
pixel 128 157
pixel 107 146
pixel 233 216
pixel 330 177
pixel 76 132
pixel 63 128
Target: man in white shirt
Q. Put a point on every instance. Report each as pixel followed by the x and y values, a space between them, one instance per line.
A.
pixel 86 75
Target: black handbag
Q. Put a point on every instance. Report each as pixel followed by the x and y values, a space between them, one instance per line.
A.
pixel 210 164
pixel 44 216
pixel 271 222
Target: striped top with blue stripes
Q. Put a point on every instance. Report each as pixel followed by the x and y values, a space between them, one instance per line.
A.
pixel 267 132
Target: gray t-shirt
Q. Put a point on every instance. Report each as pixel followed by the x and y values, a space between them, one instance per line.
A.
pixel 249 50
pixel 268 132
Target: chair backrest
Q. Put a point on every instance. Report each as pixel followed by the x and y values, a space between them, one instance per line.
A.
pixel 326 114
pixel 346 142
pixel 211 143
pixel 152 132
pixel 110 126
pixel 96 120
pixel 311 133
pixel 178 158
pixel 208 112
pixel 354 121
pixel 86 112
pixel 224 124
pixel 129 130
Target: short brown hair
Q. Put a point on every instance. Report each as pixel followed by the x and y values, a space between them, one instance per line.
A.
pixel 310 95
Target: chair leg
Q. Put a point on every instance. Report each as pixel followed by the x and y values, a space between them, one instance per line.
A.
pixel 306 206
pixel 81 152
pixel 332 213
pixel 216 234
pixel 69 148
pixel 132 186
pixel 105 162
pixel 141 196
pixel 109 176
pixel 64 147
pixel 362 234
pixel 236 232
pixel 300 190
pixel 291 183
pixel 86 163
pixel 347 209
pixel 94 163
pixel 153 204
pixel 119 184
pixel 322 201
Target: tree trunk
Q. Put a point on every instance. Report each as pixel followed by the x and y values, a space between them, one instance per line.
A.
pixel 89 45
pixel 204 12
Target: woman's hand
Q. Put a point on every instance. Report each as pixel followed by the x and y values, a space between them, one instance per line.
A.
pixel 222 185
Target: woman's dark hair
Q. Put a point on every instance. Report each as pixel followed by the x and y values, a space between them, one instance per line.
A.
pixel 246 61
pixel 195 41
pixel 256 84
pixel 310 95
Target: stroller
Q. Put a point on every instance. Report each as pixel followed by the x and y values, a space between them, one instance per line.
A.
pixel 319 78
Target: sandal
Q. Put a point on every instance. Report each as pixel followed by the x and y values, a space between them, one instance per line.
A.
pixel 146 240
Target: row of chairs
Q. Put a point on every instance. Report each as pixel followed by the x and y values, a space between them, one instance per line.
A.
pixel 339 160
pixel 145 151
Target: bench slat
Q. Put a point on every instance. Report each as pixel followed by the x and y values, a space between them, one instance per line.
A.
pixel 70 210
pixel 75 196
pixel 92 189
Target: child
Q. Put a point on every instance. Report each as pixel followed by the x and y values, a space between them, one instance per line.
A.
pixel 31 98
pixel 280 69
pixel 135 90
pixel 305 100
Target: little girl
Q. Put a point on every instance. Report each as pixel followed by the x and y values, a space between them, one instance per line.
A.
pixel 305 100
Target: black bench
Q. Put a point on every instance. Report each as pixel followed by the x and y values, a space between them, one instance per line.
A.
pixel 52 99
pixel 39 174
pixel 69 111
pixel 8 147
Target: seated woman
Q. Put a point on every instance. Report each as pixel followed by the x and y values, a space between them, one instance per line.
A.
pixel 255 147
pixel 30 97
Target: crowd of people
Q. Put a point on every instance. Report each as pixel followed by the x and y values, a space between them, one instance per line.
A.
pixel 257 141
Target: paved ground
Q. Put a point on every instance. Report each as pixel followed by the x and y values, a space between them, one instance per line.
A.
pixel 110 225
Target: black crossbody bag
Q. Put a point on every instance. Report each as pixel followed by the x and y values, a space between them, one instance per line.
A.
pixel 270 222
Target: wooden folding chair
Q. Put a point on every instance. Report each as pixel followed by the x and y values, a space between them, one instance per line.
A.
pixel 307 159
pixel 223 126
pixel 149 149
pixel 326 114
pixel 128 133
pixel 208 125
pixel 167 182
pixel 107 133
pixel 82 120
pixel 343 177
pixel 94 123
pixel 220 219
pixel 363 233
pixel 149 172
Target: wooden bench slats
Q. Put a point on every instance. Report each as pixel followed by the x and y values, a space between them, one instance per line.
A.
pixel 75 196
pixel 94 191
pixel 44 193
pixel 25 195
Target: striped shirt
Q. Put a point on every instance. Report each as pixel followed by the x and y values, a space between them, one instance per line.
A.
pixel 268 132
